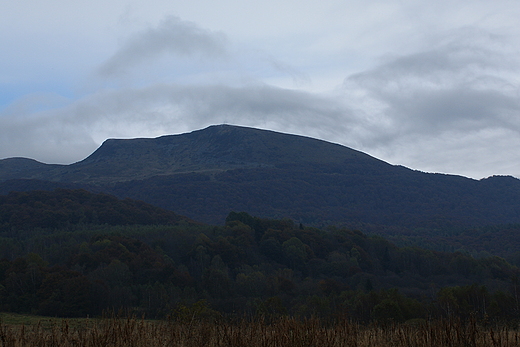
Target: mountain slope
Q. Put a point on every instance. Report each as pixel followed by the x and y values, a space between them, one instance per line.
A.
pixel 14 168
pixel 206 174
pixel 214 149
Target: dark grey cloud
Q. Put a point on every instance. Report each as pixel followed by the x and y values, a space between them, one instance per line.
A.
pixel 167 107
pixel 172 36
pixel 457 86
pixel 452 108
pixel 72 131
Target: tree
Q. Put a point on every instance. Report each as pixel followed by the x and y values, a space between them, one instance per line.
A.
pixel 295 252
pixel 387 311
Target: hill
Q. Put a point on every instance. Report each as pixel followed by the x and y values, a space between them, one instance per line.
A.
pixel 207 173
pixel 62 208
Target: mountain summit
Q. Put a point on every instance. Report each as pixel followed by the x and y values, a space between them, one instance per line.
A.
pixel 207 173
pixel 214 149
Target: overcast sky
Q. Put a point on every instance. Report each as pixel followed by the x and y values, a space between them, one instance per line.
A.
pixel 431 85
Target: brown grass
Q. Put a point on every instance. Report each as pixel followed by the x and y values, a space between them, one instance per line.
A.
pixel 281 332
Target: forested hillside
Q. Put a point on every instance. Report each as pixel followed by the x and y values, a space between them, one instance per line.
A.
pixel 163 265
pixel 64 207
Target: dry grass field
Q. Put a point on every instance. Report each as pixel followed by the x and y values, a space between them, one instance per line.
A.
pixel 281 332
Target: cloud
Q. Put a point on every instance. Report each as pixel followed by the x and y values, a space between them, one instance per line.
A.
pixel 458 99
pixel 299 78
pixel 173 108
pixel 45 138
pixel 71 132
pixel 172 36
pixel 460 85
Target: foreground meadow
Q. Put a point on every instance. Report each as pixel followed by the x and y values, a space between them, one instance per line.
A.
pixel 280 332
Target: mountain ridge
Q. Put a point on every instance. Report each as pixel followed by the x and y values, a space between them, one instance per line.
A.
pixel 207 173
pixel 215 148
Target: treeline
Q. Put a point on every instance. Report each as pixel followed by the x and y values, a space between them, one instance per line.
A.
pixel 64 207
pixel 500 240
pixel 249 266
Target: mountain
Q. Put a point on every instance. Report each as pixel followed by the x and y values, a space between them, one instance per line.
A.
pixel 211 150
pixel 207 173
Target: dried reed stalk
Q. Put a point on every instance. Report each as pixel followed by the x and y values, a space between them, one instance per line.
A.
pixel 286 331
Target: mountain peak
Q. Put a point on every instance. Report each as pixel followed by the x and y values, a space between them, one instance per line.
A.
pixel 213 149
